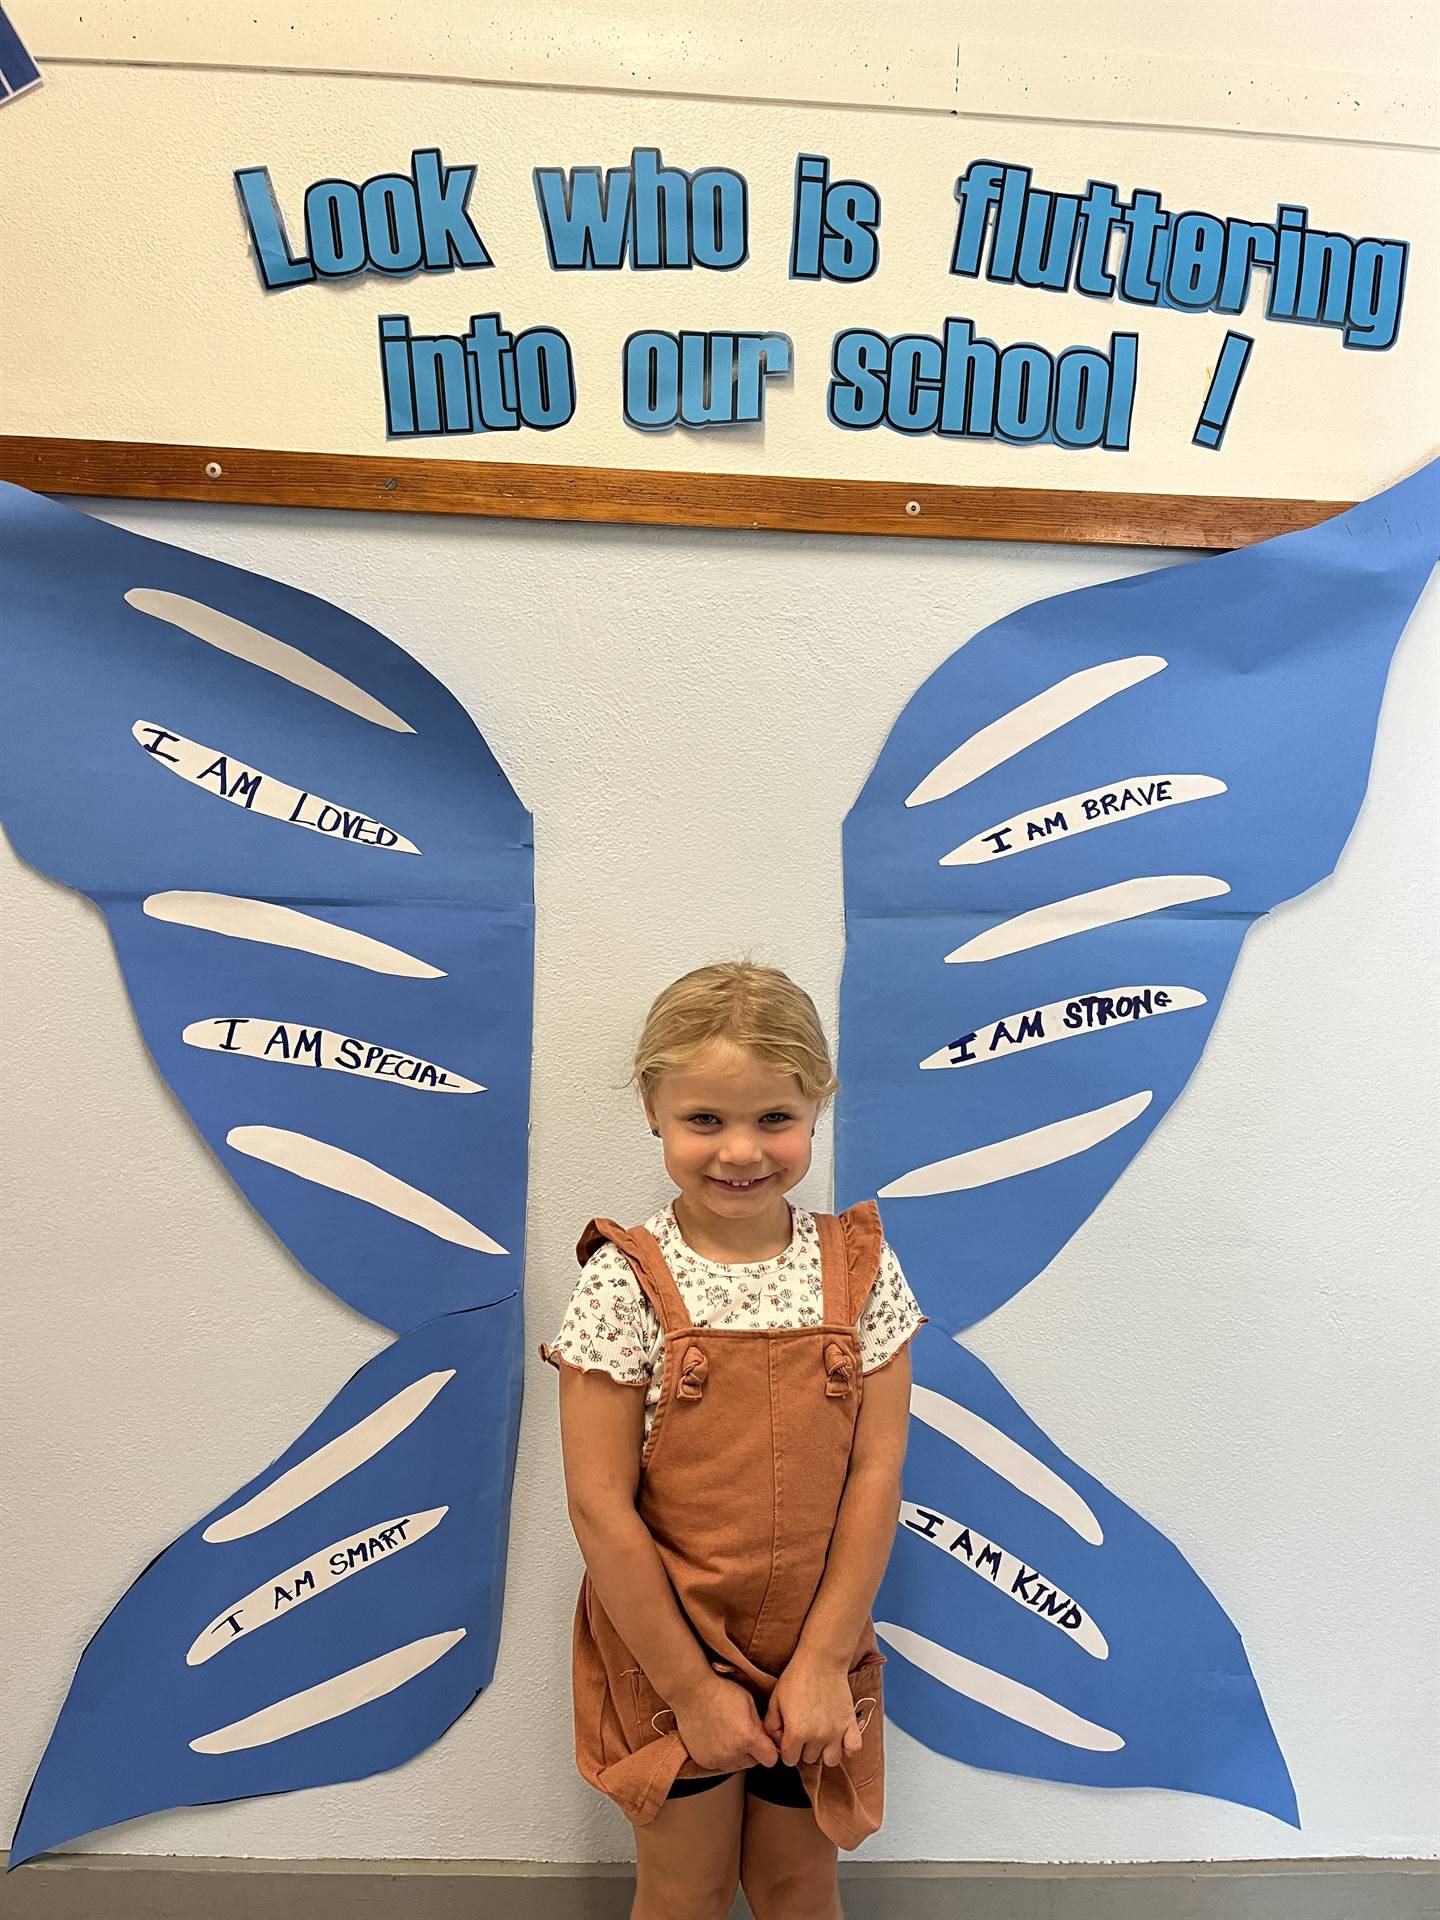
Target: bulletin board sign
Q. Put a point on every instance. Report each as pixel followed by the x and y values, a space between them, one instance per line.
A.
pixel 431 295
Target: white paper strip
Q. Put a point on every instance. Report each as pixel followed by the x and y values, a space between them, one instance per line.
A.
pixel 299 1046
pixel 331 1698
pixel 1020 1153
pixel 995 1449
pixel 244 642
pixel 1114 1009
pixel 1007 1573
pixel 316 1573
pixel 1129 799
pixel 330 1463
pixel 331 1166
pixel 1025 1705
pixel 1022 726
pixel 244 786
pixel 275 926
pixel 1082 912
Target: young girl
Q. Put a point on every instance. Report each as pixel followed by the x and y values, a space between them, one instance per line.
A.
pixel 733 1405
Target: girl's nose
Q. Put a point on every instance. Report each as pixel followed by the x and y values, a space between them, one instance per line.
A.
pixel 739 1150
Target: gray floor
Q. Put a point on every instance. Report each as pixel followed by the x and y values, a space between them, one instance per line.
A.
pixel 113 1888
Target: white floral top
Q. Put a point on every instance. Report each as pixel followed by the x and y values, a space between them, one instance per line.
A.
pixel 610 1325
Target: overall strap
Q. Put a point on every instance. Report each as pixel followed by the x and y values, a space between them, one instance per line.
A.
pixel 850 1245
pixel 834 1271
pixel 642 1250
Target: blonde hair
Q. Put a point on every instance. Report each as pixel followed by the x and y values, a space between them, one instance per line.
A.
pixel 757 1008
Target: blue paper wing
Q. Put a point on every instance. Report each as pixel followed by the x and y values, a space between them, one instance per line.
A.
pixel 1036 1625
pixel 329 1621
pixel 324 1003
pixel 1049 875
pixel 318 883
pixel 1122 779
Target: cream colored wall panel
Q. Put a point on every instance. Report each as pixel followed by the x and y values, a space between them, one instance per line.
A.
pixel 1298 66
pixel 1127 85
pixel 120 193
pixel 831 53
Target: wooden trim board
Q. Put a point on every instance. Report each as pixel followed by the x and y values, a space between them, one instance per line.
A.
pixel 145 470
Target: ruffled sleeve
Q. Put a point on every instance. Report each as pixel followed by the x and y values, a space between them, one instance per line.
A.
pixel 892 1314
pixel 609 1325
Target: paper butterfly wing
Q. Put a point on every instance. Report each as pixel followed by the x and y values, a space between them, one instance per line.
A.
pixel 1053 864
pixel 328 1621
pixel 233 769
pixel 1036 1625
pixel 1049 875
pixel 317 880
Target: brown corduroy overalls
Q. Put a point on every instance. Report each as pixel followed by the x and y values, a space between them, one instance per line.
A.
pixel 740 1485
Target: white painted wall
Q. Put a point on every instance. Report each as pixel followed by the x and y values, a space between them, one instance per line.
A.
pixel 1241 1342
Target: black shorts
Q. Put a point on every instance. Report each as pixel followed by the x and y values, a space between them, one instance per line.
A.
pixel 780 1785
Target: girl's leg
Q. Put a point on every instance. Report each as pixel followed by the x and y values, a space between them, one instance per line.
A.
pixel 687 1861
pixel 787 1866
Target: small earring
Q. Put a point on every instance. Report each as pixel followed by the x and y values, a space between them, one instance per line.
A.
pixel 655 1131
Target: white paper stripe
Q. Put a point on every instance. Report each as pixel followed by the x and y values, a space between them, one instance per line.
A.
pixel 1082 912
pixel 290 1043
pixel 995 1449
pixel 1109 1011
pixel 1013 732
pixel 229 635
pixel 278 1596
pixel 341 1694
pixel 215 771
pixel 348 1173
pixel 1025 1585
pixel 1133 798
pixel 1020 1153
pixel 276 926
pixel 1025 1705
pixel 330 1463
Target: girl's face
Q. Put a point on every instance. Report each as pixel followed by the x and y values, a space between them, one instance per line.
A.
pixel 736 1132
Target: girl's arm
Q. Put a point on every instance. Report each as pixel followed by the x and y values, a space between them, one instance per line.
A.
pixel 811 1713
pixel 601 1424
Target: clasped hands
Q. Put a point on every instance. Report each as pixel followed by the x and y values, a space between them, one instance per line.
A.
pixel 811 1716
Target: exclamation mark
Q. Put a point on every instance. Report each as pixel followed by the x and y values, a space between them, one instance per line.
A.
pixel 1224 385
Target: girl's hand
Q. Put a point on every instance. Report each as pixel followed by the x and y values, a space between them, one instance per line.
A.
pixel 720 1728
pixel 811 1715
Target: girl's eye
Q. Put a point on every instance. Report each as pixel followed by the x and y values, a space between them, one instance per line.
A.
pixel 701 1119
pixel 783 1118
